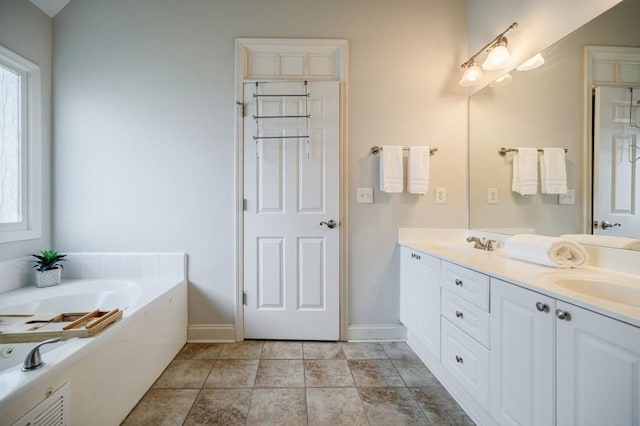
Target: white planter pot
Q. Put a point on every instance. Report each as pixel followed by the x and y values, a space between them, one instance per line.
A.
pixel 48 278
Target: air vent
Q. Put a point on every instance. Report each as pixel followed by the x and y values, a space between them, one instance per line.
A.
pixel 53 411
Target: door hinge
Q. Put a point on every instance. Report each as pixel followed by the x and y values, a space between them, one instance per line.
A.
pixel 241 105
pixel 244 204
pixel 244 297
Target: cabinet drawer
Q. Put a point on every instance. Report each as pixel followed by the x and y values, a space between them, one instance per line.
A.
pixel 466 316
pixel 467 361
pixel 470 285
pixel 416 256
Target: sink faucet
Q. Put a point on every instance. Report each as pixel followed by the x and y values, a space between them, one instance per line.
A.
pixel 481 244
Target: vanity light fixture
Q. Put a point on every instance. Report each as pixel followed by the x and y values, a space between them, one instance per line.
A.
pixel 531 63
pixel 498 58
pixel 502 80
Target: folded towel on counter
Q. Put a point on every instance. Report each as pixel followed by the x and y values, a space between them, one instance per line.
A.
pixel 553 171
pixel 549 251
pixel 391 169
pixel 418 165
pixel 605 241
pixel 525 171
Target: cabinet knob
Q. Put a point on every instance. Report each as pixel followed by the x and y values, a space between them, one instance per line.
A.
pixel 458 314
pixel 458 282
pixel 563 315
pixel 542 307
pixel 459 359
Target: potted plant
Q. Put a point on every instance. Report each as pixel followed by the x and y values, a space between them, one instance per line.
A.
pixel 48 267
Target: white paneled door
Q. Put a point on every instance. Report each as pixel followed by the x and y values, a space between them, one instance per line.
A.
pixel 291 185
pixel 616 183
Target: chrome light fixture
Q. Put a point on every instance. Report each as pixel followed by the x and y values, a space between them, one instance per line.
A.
pixel 498 58
pixel 531 63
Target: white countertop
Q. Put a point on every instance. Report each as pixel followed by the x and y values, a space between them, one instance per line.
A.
pixel 528 275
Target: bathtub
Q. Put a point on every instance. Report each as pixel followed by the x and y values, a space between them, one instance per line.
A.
pixel 106 374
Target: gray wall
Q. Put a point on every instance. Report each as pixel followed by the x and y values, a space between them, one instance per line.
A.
pixel 26 30
pixel 144 146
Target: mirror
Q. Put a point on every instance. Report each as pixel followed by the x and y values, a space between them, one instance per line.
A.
pixel 543 107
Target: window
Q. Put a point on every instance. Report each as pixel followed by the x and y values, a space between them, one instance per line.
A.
pixel 20 134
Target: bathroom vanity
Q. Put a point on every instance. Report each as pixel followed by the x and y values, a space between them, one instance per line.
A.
pixel 519 343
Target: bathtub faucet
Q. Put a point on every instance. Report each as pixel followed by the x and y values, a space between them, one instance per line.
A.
pixel 33 361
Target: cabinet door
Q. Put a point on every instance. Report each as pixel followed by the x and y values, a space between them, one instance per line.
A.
pixel 428 303
pixel 408 278
pixel 598 375
pixel 522 356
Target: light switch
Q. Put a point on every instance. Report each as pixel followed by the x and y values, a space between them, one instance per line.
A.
pixel 492 196
pixel 364 195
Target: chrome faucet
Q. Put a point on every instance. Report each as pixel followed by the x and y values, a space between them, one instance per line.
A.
pixel 33 360
pixel 481 244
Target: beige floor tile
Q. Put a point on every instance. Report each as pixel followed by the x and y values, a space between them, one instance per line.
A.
pixel 415 373
pixel 335 407
pixel 227 407
pixel 364 351
pixel 282 350
pixel 391 406
pixel 327 373
pixel 162 407
pixel 375 373
pixel 184 373
pixel 245 350
pixel 440 407
pixel 200 351
pixel 233 373
pixel 278 407
pixel 280 373
pixel 322 350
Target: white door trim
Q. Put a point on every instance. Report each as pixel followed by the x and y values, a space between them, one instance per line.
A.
pixel 289 60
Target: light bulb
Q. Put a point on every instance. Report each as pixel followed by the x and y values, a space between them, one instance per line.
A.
pixel 472 75
pixel 498 57
pixel 531 63
pixel 502 80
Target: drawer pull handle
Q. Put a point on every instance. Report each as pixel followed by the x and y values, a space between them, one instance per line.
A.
pixel 563 315
pixel 542 307
pixel 458 282
pixel 415 256
pixel 458 314
pixel 459 359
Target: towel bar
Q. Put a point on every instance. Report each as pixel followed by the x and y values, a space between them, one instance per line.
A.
pixel 376 149
pixel 503 151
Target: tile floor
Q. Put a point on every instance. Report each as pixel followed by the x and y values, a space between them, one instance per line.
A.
pixel 297 383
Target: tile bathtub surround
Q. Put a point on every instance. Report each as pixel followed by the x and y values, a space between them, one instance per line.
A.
pixel 297 383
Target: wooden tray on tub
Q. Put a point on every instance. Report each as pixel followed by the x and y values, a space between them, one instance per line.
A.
pixel 22 328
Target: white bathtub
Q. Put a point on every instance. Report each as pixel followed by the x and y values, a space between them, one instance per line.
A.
pixel 107 374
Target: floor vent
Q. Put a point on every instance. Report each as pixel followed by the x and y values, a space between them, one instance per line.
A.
pixel 53 411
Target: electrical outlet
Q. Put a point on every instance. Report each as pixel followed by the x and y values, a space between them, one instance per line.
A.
pixel 568 198
pixel 364 195
pixel 441 195
pixel 492 196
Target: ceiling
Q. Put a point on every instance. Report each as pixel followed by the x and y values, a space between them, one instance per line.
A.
pixel 50 7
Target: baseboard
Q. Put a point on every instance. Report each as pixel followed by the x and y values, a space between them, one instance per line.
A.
pixel 211 333
pixel 374 333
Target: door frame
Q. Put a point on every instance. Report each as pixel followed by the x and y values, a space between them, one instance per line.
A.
pixel 274 59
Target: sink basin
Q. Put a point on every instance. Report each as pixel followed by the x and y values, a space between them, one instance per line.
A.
pixel 613 292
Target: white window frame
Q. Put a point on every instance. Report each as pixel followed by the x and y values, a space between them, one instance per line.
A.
pixel 31 140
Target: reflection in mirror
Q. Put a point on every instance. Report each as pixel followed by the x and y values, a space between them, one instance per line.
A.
pixel 546 107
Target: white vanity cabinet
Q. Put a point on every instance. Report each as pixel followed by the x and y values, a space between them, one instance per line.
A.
pixel 420 297
pixel 557 363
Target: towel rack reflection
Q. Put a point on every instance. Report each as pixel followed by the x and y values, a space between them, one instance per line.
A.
pixel 376 149
pixel 503 151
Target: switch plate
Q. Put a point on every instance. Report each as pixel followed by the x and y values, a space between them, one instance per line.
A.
pixel 364 195
pixel 568 198
pixel 492 196
pixel 441 195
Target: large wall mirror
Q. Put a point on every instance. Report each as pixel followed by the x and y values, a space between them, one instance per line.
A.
pixel 551 106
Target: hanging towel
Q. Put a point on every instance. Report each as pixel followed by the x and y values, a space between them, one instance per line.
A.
pixel 549 251
pixel 391 169
pixel 525 171
pixel 605 241
pixel 553 171
pixel 418 169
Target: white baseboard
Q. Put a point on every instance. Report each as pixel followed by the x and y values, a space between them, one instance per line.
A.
pixel 211 333
pixel 374 333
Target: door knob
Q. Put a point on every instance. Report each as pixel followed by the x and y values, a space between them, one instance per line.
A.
pixel 331 224
pixel 604 224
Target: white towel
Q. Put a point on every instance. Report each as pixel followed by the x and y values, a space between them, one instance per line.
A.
pixel 553 171
pixel 391 169
pixel 525 171
pixel 418 169
pixel 549 251
pixel 605 241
